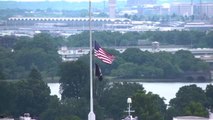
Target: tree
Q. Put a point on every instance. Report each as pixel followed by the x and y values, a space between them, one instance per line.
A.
pixel 187 62
pixel 127 70
pixel 114 98
pixel 45 41
pixel 148 106
pixel 107 38
pixel 196 109
pixel 75 107
pixel 79 40
pixel 187 98
pixel 1 74
pixel 30 92
pixel 7 93
pixel 7 64
pixel 149 71
pixel 74 79
pixel 69 109
pixel 53 110
pixel 136 56
pixel 40 51
pixel 209 95
pixel 208 39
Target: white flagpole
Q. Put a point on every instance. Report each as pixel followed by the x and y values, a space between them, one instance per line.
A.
pixel 91 115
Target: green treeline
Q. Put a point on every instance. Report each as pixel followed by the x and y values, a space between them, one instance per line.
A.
pixel 18 57
pixel 107 38
pixel 29 60
pixel 134 63
pixel 18 54
pixel 32 95
pixel 110 98
pixel 29 95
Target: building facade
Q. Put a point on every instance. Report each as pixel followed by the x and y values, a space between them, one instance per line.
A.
pixel 112 8
pixel 199 10
pixel 68 23
pixel 131 3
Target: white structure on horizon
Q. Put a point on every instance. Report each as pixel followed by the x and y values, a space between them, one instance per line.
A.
pixel 72 54
pixel 193 117
pixel 112 6
pixel 26 117
pixel 129 117
pixel 6 118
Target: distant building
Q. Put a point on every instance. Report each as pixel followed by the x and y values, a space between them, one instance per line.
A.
pixel 207 9
pixel 199 10
pixel 184 9
pixel 148 10
pixel 60 23
pixel 190 118
pixel 198 26
pixel 112 6
pixel 155 46
pixel 153 9
pixel 132 3
pixel 193 117
pixel 72 54
pixel 6 118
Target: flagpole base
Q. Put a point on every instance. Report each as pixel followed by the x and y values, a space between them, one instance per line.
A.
pixel 91 115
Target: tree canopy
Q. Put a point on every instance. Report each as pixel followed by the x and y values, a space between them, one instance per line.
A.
pixel 108 38
pixel 189 100
pixel 74 77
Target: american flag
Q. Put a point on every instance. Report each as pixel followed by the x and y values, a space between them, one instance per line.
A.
pixel 102 54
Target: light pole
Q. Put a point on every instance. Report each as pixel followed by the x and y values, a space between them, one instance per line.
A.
pixel 129 102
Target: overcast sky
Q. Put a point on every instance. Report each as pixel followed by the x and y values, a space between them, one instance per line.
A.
pixel 59 0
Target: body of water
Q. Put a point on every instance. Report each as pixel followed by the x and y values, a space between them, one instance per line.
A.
pixel 166 90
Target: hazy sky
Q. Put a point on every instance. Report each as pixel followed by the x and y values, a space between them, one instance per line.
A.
pixel 58 0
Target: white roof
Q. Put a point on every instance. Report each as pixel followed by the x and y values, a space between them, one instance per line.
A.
pixel 190 118
pixel 67 19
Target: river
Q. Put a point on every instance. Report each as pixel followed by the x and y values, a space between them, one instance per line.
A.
pixel 166 90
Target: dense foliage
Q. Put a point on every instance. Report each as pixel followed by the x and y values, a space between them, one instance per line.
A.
pixel 110 98
pixel 31 95
pixel 74 78
pixel 149 106
pixel 41 50
pixel 189 100
pixel 136 64
pixel 17 59
pixel 107 38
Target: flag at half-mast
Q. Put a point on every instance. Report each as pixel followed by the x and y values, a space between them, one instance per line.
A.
pixel 103 55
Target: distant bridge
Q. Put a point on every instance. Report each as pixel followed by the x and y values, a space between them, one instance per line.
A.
pixel 197 76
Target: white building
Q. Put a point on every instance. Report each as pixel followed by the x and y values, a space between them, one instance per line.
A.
pixel 6 118
pixel 193 117
pixel 190 118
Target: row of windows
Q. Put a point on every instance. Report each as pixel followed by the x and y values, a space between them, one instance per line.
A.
pixel 69 19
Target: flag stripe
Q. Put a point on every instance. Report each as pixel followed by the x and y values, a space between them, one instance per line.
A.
pixel 103 55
